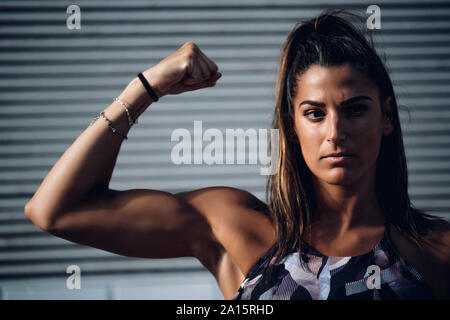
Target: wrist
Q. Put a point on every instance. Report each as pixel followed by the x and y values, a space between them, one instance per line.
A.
pixel 136 97
pixel 151 92
pixel 151 79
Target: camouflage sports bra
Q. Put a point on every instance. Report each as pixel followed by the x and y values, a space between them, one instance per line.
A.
pixel 379 274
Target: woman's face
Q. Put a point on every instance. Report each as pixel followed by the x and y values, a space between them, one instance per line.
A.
pixel 337 110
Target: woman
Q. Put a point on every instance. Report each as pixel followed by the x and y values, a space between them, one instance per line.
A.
pixel 338 200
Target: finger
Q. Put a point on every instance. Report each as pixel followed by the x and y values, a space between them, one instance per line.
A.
pixel 189 80
pixel 204 84
pixel 212 81
pixel 200 74
pixel 216 76
pixel 194 71
pixel 203 67
pixel 211 66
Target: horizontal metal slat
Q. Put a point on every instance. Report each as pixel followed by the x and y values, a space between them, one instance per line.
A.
pixel 177 28
pixel 249 14
pixel 174 41
pixel 202 3
pixel 88 267
pixel 266 78
pixel 131 67
pixel 225 52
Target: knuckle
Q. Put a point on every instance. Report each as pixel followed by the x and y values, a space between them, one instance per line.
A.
pixel 190 55
pixel 192 45
pixel 190 50
pixel 185 65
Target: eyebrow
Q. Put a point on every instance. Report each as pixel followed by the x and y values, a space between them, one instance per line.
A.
pixel 343 103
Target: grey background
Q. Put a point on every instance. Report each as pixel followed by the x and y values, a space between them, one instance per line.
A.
pixel 53 81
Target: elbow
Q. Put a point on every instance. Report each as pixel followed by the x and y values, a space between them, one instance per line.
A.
pixel 39 219
pixel 27 211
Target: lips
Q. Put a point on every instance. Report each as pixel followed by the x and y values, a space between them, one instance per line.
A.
pixel 339 154
pixel 339 159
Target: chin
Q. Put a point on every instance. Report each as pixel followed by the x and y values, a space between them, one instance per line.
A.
pixel 341 176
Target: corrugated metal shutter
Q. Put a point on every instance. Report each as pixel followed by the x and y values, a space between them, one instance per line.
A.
pixel 54 81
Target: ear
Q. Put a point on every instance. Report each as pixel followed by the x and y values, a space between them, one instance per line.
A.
pixel 388 126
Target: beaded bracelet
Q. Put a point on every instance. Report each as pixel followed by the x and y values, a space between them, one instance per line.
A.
pixel 130 121
pixel 114 130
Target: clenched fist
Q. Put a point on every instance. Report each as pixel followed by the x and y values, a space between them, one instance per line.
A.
pixel 186 69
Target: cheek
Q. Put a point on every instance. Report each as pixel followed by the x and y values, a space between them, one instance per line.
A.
pixel 310 142
pixel 366 141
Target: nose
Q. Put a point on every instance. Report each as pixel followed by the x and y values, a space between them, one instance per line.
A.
pixel 336 131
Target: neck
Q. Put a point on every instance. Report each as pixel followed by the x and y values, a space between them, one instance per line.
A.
pixel 344 208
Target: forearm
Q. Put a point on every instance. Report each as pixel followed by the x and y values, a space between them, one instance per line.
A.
pixel 89 162
pixel 138 100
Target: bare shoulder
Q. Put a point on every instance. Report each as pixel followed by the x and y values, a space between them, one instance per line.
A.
pixel 241 232
pixel 432 260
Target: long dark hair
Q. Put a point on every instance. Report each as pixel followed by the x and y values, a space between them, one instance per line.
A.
pixel 331 39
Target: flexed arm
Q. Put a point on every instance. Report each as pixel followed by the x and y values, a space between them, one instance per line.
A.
pixel 86 167
pixel 224 228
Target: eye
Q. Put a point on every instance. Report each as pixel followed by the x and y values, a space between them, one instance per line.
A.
pixel 314 114
pixel 356 110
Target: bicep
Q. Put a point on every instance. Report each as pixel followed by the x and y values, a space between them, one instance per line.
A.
pixel 136 223
pixel 238 220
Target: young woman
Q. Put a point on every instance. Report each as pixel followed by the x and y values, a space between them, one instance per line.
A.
pixel 338 223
